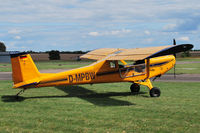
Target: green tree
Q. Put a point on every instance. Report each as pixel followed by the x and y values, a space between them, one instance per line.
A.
pixel 2 47
pixel 54 55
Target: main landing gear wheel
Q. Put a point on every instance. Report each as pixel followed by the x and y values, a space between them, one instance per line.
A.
pixel 155 92
pixel 135 88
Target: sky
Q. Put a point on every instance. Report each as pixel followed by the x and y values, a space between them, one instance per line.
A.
pixel 70 25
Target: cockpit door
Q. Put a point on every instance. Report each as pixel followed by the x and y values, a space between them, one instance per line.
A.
pixel 132 70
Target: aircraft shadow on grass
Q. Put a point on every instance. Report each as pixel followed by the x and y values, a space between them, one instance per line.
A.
pixel 100 99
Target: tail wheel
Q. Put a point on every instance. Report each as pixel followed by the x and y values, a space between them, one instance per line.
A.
pixel 135 88
pixel 155 92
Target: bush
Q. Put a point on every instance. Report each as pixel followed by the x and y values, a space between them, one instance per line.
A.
pixel 54 55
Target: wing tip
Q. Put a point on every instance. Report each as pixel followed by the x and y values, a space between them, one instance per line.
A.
pixel 172 50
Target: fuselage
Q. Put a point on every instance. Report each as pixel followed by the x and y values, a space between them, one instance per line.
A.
pixel 110 67
pixel 106 71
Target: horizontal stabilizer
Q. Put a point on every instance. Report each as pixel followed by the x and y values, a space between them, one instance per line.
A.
pixel 16 54
pixel 26 84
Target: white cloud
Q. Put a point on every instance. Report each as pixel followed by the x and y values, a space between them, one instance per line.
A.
pixel 96 11
pixel 114 32
pixel 61 22
pixel 93 33
pixel 14 31
pixel 109 33
pixel 169 27
pixel 184 38
pixel 147 32
pixel 148 40
pixel 17 37
pixel 126 30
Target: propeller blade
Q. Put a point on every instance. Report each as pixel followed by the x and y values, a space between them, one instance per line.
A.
pixel 174 42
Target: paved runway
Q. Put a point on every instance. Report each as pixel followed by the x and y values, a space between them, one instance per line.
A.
pixel 165 78
pixel 180 78
pixel 5 76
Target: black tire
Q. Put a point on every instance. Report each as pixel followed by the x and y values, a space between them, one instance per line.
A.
pixel 155 92
pixel 135 88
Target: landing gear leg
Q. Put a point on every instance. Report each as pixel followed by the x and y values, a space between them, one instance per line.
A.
pixel 154 91
pixel 20 92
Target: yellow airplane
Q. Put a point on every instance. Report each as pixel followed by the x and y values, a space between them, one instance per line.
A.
pixel 111 66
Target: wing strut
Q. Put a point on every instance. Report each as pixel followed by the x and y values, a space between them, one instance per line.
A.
pixel 147 67
pixel 124 62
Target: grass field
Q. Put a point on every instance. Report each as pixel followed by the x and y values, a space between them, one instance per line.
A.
pixel 101 108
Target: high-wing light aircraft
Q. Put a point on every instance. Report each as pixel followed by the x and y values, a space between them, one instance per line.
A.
pixel 111 66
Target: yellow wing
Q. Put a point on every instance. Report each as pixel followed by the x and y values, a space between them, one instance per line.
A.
pixel 123 54
pixel 100 53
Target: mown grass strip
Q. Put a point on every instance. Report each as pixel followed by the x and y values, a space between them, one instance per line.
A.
pixel 101 108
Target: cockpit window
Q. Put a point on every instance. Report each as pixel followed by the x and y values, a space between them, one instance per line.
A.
pixel 113 64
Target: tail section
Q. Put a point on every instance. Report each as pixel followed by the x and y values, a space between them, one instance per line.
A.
pixel 24 71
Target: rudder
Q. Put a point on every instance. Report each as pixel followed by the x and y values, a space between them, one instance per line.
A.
pixel 23 68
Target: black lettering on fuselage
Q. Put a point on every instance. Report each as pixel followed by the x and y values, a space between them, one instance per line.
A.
pixel 87 76
pixel 82 76
pixel 92 75
pixel 70 78
pixel 78 77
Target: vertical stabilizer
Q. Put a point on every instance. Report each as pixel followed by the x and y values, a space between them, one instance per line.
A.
pixel 23 68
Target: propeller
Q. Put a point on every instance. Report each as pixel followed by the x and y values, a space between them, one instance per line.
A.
pixel 172 51
pixel 174 43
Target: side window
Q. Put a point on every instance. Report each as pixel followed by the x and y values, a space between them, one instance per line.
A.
pixel 113 64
